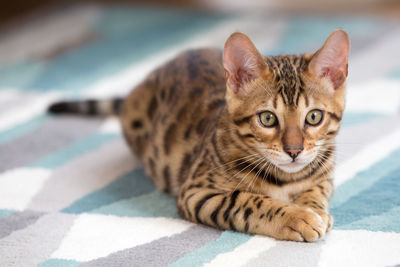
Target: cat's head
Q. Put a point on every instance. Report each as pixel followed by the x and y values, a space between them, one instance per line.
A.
pixel 288 108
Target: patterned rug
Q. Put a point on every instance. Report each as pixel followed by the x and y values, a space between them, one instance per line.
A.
pixel 72 194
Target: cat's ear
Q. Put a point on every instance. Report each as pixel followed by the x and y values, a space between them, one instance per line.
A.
pixel 242 62
pixel 331 60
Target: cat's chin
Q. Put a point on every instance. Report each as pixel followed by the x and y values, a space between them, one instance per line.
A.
pixel 292 167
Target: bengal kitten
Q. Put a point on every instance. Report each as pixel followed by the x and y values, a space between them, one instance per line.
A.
pixel 245 142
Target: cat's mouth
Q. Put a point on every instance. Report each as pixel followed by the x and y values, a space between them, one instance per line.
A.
pixel 288 165
pixel 292 167
pixel 293 164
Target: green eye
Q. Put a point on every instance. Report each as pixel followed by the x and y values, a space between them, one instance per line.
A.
pixel 314 117
pixel 268 119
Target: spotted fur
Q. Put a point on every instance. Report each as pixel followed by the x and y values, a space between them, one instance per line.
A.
pixel 194 123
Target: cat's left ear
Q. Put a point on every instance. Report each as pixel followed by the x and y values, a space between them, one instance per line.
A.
pixel 331 60
pixel 242 62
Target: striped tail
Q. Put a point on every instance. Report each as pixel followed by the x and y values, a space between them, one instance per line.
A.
pixel 88 107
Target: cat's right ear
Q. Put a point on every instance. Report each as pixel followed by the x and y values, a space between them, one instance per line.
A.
pixel 330 62
pixel 242 62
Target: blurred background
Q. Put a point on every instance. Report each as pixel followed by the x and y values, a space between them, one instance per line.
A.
pixel 382 7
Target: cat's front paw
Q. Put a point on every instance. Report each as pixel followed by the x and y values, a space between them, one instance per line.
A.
pixel 303 224
pixel 330 223
pixel 326 218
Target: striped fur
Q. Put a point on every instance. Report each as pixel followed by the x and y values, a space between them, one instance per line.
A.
pixel 203 143
pixel 90 107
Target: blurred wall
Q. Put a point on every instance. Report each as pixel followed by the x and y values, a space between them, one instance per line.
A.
pixel 10 10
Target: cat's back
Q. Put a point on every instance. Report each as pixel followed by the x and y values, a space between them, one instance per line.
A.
pixel 166 118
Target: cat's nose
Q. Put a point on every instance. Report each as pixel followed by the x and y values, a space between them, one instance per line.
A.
pixel 293 151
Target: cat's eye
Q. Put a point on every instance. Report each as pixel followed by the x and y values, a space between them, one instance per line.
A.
pixel 268 119
pixel 314 117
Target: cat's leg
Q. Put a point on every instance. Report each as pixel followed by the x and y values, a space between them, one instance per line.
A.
pixel 248 212
pixel 317 198
pixel 140 118
pixel 137 116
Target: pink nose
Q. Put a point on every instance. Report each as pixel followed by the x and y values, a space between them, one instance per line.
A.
pixel 293 151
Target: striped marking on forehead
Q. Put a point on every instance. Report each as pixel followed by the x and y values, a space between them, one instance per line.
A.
pixel 288 82
pixel 302 101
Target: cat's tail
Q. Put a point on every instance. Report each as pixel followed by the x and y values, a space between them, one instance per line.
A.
pixel 89 107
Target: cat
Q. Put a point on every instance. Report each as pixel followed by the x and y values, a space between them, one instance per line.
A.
pixel 244 142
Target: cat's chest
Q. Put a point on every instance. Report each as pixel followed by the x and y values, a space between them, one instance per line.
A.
pixel 286 192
